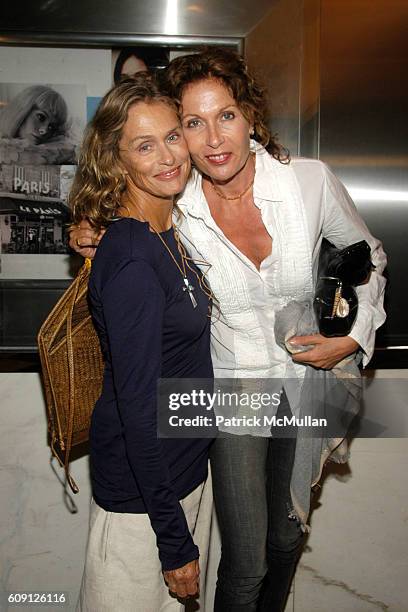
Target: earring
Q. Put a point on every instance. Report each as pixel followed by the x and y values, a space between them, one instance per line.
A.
pixel 251 131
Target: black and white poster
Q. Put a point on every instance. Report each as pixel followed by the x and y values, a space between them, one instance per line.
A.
pixel 41 127
pixel 45 96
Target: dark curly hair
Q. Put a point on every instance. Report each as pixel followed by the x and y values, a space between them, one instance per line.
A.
pixel 231 69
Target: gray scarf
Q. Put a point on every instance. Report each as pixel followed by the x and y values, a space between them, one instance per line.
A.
pixel 332 394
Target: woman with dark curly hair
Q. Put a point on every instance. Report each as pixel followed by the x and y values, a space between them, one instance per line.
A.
pixel 259 218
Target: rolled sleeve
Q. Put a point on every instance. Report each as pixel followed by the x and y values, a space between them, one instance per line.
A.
pixel 343 226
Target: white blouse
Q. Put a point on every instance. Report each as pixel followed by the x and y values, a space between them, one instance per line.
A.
pixel 300 203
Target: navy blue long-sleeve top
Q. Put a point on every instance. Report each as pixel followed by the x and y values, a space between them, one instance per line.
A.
pixel 148 329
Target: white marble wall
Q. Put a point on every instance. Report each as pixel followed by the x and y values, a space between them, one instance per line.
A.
pixel 41 544
pixel 355 561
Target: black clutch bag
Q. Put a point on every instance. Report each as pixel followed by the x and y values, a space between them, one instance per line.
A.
pixel 340 270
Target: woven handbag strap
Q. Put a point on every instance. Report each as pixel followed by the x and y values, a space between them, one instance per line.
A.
pixel 84 271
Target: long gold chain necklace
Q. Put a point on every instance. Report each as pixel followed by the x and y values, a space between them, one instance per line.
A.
pixel 184 262
pixel 239 196
pixel 187 285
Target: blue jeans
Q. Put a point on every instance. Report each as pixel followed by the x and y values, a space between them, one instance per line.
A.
pixel 260 544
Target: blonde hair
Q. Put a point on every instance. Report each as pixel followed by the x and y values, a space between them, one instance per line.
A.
pixel 99 182
pixel 38 96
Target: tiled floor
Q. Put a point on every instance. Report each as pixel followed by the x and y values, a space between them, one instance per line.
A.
pixel 356 558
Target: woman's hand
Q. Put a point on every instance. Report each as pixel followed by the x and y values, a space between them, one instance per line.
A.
pixel 184 581
pixel 326 352
pixel 84 239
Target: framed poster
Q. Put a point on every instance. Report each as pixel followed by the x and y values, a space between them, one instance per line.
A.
pixel 46 95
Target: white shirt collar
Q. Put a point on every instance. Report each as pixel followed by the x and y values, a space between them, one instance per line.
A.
pixel 266 184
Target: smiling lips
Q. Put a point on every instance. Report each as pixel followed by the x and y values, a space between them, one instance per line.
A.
pixel 169 174
pixel 219 159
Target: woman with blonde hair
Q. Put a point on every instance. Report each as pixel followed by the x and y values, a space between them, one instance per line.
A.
pixel 151 505
pixel 38 114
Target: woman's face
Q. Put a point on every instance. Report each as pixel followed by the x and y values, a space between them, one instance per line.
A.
pixel 153 150
pixel 37 127
pixel 133 64
pixel 215 129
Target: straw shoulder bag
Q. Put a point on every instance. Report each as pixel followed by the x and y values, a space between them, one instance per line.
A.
pixel 72 370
